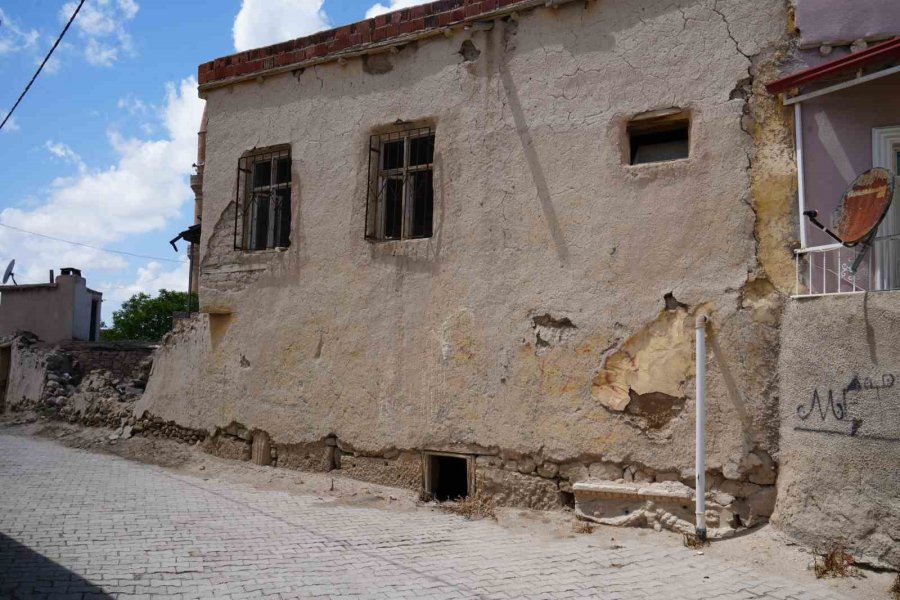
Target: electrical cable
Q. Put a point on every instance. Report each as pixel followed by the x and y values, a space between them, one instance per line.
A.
pixel 41 67
pixel 56 239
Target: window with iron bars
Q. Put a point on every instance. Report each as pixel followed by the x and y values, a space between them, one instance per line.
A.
pixel 401 185
pixel 263 217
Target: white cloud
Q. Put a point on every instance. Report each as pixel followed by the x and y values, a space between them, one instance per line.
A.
pixel 52 66
pixel 142 192
pixel 265 22
pixel 13 38
pixel 150 279
pixel 102 24
pixel 65 153
pixel 380 9
pixel 12 126
pixel 135 106
pixel 100 54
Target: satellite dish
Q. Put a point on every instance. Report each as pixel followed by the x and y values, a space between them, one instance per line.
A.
pixel 8 274
pixel 861 210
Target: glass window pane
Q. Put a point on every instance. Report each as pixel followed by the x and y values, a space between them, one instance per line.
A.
pixel 283 170
pixel 422 194
pixel 393 208
pixel 283 218
pixel 392 155
pixel 262 173
pixel 421 150
pixel 260 217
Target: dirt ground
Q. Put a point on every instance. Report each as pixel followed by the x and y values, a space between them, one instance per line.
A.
pixel 763 547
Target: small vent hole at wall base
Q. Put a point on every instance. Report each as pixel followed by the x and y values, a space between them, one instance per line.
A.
pixel 447 476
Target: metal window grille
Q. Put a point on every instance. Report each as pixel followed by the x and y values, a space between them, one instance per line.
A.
pixel 263 216
pixel 401 185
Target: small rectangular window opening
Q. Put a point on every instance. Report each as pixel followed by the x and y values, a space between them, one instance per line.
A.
pixel 447 477
pixel 658 138
pixel 401 185
pixel 263 218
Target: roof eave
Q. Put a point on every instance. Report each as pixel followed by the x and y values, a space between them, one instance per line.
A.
pixel 881 52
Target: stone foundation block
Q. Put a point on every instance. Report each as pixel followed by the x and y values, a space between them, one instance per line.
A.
pixel 404 471
pixel 510 488
pixel 227 447
pixel 317 457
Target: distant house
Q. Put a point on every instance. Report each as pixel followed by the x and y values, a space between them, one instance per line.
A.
pixel 63 309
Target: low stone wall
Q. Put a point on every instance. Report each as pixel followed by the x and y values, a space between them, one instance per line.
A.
pixel 122 359
pixel 840 425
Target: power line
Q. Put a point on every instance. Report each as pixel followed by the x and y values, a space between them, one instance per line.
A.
pixel 41 67
pixel 56 239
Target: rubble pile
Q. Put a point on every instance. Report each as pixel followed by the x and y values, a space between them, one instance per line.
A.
pixel 100 399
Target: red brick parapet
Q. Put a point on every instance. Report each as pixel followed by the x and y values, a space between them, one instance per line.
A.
pixel 381 31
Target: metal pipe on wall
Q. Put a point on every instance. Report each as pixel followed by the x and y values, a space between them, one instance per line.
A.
pixel 801 184
pixel 700 431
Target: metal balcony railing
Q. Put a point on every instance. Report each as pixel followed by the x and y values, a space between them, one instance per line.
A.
pixel 826 270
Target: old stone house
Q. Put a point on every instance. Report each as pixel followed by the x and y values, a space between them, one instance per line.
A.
pixel 461 247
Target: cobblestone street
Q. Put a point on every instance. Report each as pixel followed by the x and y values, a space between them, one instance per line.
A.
pixel 75 524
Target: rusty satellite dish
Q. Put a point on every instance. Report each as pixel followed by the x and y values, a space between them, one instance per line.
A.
pixel 860 211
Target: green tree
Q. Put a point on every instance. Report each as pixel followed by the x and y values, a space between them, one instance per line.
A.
pixel 145 318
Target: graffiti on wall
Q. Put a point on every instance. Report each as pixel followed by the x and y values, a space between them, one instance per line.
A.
pixel 843 411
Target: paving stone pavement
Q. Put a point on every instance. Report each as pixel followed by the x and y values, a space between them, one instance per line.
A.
pixel 79 525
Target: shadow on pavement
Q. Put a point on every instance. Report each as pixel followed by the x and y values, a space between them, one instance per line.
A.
pixel 26 574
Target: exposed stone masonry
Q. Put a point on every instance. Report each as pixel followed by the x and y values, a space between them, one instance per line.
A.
pixel 744 496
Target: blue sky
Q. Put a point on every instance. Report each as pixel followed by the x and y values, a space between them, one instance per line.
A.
pixel 100 150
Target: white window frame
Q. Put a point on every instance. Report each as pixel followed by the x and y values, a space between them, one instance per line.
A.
pixel 885 149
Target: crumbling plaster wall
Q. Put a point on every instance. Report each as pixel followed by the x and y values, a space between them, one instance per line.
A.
pixel 26 372
pixel 441 343
pixel 840 424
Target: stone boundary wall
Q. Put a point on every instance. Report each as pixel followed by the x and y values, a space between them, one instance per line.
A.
pixel 120 358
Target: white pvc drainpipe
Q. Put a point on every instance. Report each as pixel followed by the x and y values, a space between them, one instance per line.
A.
pixel 700 437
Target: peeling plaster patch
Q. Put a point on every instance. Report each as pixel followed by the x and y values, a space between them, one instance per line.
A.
pixel 550 331
pixel 773 177
pixel 672 302
pixel 656 360
pixel 468 51
pixel 218 326
pixel 377 64
pixel 742 91
pixel 761 297
pixel 654 410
